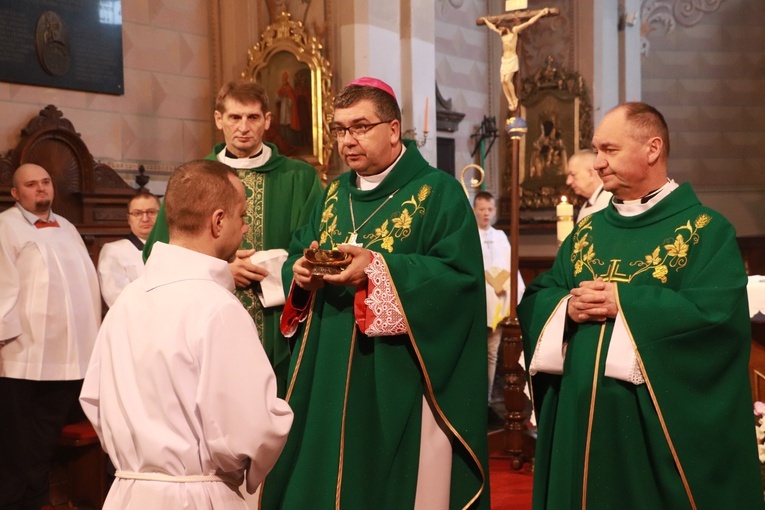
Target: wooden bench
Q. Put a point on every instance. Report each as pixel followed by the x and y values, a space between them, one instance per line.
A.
pixel 79 451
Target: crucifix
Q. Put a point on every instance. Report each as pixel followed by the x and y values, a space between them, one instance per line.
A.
pixel 509 26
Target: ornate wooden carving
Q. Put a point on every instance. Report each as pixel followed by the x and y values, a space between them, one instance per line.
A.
pixel 91 195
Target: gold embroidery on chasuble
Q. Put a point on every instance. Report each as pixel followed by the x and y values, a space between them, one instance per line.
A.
pixel 328 226
pixel 254 186
pixel 397 227
pixel 400 225
pixel 670 254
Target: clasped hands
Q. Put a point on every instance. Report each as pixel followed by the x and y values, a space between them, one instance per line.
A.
pixel 352 275
pixel 592 301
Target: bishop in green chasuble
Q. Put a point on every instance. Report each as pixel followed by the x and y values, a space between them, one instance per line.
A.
pixel 358 399
pixel 678 432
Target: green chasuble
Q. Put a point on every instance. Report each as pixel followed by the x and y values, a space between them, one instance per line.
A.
pixel 280 196
pixel 355 439
pixel 683 439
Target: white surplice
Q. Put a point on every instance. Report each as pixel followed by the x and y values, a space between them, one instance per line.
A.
pixel 49 299
pixel 496 258
pixel 119 263
pixel 599 200
pixel 179 385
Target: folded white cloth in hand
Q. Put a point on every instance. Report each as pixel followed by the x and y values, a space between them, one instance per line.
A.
pixel 271 291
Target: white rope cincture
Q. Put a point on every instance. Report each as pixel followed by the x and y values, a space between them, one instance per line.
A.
pixel 161 477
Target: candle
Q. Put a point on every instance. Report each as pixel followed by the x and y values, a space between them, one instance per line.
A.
pixel 426 115
pixel 565 213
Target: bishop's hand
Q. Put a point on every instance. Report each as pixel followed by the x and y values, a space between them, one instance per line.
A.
pixel 354 273
pixel 303 276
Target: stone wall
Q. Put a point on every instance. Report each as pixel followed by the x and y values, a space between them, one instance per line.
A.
pixel 164 117
pixel 705 71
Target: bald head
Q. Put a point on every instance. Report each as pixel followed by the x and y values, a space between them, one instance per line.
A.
pixel 32 188
pixel 581 175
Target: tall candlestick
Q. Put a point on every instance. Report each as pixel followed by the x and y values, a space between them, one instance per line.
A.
pixel 426 115
pixel 565 212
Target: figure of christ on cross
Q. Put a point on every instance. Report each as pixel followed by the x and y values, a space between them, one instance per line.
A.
pixel 509 26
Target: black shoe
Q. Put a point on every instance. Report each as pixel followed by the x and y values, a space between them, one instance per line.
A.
pixel 495 420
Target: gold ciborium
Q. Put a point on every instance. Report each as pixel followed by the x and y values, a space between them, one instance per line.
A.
pixel 326 261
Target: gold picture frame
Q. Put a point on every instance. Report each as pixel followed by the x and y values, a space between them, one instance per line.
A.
pixel 288 62
pixel 558 114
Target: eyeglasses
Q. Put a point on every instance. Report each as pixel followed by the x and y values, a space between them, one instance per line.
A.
pixel 137 213
pixel 358 131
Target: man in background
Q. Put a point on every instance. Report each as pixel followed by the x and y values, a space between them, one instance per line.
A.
pixel 637 342
pixel 280 194
pixel 179 389
pixel 50 310
pixel 120 262
pixel 582 177
pixel 496 265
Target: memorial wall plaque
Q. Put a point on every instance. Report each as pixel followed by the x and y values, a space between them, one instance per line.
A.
pixel 67 44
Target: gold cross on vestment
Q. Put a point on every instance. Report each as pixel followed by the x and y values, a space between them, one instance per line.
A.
pixel 613 274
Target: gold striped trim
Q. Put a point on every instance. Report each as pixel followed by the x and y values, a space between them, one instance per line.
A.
pixel 302 347
pixel 431 396
pixel 591 418
pixel 342 427
pixel 671 445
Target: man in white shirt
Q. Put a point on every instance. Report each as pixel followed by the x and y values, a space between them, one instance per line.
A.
pixel 50 311
pixel 585 181
pixel 496 262
pixel 121 262
pixel 179 388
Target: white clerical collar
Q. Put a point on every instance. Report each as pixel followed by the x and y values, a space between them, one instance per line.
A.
pixel 370 182
pixel 594 197
pixel 32 218
pixel 256 162
pixel 638 206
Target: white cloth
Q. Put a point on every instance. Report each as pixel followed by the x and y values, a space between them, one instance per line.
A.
pixel 49 300
pixel 755 292
pixel 119 263
pixel 271 291
pixel 496 258
pixel 599 200
pixel 179 384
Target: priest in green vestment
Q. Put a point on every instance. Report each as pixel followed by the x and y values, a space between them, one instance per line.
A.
pixel 281 192
pixel 388 372
pixel 637 342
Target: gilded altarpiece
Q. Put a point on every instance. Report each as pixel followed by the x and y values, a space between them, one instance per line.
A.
pixel 291 66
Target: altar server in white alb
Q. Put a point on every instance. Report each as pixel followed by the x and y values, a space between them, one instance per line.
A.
pixel 496 263
pixel 121 262
pixel 50 310
pixel 179 388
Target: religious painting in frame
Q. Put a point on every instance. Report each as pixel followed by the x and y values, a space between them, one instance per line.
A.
pixel 558 114
pixel 289 64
